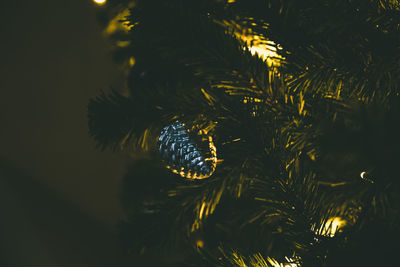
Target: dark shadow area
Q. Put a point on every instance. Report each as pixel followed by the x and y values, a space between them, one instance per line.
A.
pixel 38 228
pixel 53 60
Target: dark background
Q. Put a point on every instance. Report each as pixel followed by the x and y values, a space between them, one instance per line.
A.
pixel 58 194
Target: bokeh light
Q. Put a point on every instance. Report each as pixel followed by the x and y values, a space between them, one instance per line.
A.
pixel 200 243
pixel 100 2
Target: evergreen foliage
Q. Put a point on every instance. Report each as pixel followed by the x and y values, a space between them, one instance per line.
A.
pixel 312 137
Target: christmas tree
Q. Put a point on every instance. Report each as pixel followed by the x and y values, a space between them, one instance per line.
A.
pixel 262 132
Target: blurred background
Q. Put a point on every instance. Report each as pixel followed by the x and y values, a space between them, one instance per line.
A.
pixel 58 194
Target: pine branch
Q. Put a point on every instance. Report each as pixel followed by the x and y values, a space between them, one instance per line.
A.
pixel 115 120
pixel 282 136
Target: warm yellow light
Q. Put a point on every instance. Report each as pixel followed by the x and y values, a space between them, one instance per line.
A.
pixel 212 161
pixel 100 2
pixel 275 263
pixel 259 260
pixel 132 61
pixel 118 23
pixel 123 43
pixel 265 52
pixel 331 227
pixel 256 44
pixel 200 243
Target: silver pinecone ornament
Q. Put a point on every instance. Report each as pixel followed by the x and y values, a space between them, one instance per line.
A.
pixel 183 156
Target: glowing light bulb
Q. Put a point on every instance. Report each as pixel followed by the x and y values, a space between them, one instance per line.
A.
pixel 100 2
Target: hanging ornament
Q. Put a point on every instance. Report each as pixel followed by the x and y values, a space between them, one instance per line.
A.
pixel 183 156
